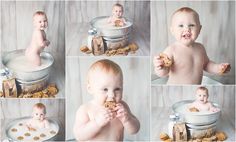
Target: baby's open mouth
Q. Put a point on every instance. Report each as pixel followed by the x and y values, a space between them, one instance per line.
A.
pixel 187 35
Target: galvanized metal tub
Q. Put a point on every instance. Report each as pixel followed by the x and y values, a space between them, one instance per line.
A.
pixel 28 75
pixel 111 32
pixel 196 118
pixel 24 119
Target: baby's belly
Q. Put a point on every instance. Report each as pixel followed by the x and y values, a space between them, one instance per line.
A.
pixel 190 77
pixel 111 132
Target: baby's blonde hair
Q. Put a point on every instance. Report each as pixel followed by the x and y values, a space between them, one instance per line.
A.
pixel 188 10
pixel 37 13
pixel 118 5
pixel 203 88
pixel 106 66
pixel 40 106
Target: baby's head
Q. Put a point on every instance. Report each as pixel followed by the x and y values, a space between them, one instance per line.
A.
pixel 39 111
pixel 40 20
pixel 202 94
pixel 105 80
pixel 185 25
pixel 117 10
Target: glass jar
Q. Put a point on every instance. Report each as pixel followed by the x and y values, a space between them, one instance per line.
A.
pixel 3 76
pixel 91 33
pixel 173 119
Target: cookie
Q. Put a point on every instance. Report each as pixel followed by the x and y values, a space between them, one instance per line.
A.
pixel 225 68
pixel 133 47
pixel 167 61
pixel 221 136
pixel 118 23
pixel 110 104
pixel 14 130
pixel 42 135
pixel 27 134
pixel 20 138
pixel 193 109
pixel 36 138
pixel 164 136
pixel 52 132
pixel 84 48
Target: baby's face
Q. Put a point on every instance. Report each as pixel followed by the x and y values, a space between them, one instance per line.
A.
pixel 185 27
pixel 105 85
pixel 38 114
pixel 40 22
pixel 201 96
pixel 117 11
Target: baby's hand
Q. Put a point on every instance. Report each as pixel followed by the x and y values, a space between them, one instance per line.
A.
pixel 104 116
pixel 158 62
pixel 213 109
pixel 224 68
pixel 121 113
pixel 47 42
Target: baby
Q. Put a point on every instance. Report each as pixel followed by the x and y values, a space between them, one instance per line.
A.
pixel 38 119
pixel 201 103
pixel 38 41
pixel 188 57
pixel 94 121
pixel 116 19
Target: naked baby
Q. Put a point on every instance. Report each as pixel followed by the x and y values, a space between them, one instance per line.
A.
pixel 39 40
pixel 117 18
pixel 38 120
pixel 185 60
pixel 201 103
pixel 106 116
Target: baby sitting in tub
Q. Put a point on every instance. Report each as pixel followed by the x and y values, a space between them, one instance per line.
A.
pixel 116 19
pixel 201 103
pixel 39 40
pixel 38 120
pixel 185 60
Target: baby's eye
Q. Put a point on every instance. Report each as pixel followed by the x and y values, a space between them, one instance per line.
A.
pixel 191 25
pixel 181 26
pixel 117 89
pixel 105 89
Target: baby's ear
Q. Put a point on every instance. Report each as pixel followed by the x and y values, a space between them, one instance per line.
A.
pixel 171 30
pixel 89 88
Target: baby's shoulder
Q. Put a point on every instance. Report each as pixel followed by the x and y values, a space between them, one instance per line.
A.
pixel 199 45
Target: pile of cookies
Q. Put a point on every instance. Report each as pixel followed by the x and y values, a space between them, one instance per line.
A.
pixel 49 92
pixel 130 48
pixel 218 136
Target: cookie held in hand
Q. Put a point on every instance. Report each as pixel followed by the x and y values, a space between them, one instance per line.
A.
pixel 225 68
pixel 193 109
pixel 110 104
pixel 167 61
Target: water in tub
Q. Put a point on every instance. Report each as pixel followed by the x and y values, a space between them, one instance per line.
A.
pixel 184 109
pixel 103 24
pixel 21 63
pixel 18 131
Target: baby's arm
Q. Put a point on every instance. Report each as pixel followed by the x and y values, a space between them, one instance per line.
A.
pixel 129 121
pixel 212 108
pixel 214 68
pixel 84 128
pixel 41 40
pixel 159 68
pixel 46 124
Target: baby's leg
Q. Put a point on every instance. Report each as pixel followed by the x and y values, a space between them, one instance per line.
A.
pixel 33 58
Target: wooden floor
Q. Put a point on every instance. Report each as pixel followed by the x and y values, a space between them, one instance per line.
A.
pixel 160 119
pixel 76 36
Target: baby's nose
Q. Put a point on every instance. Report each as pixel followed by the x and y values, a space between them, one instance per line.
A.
pixel 111 94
